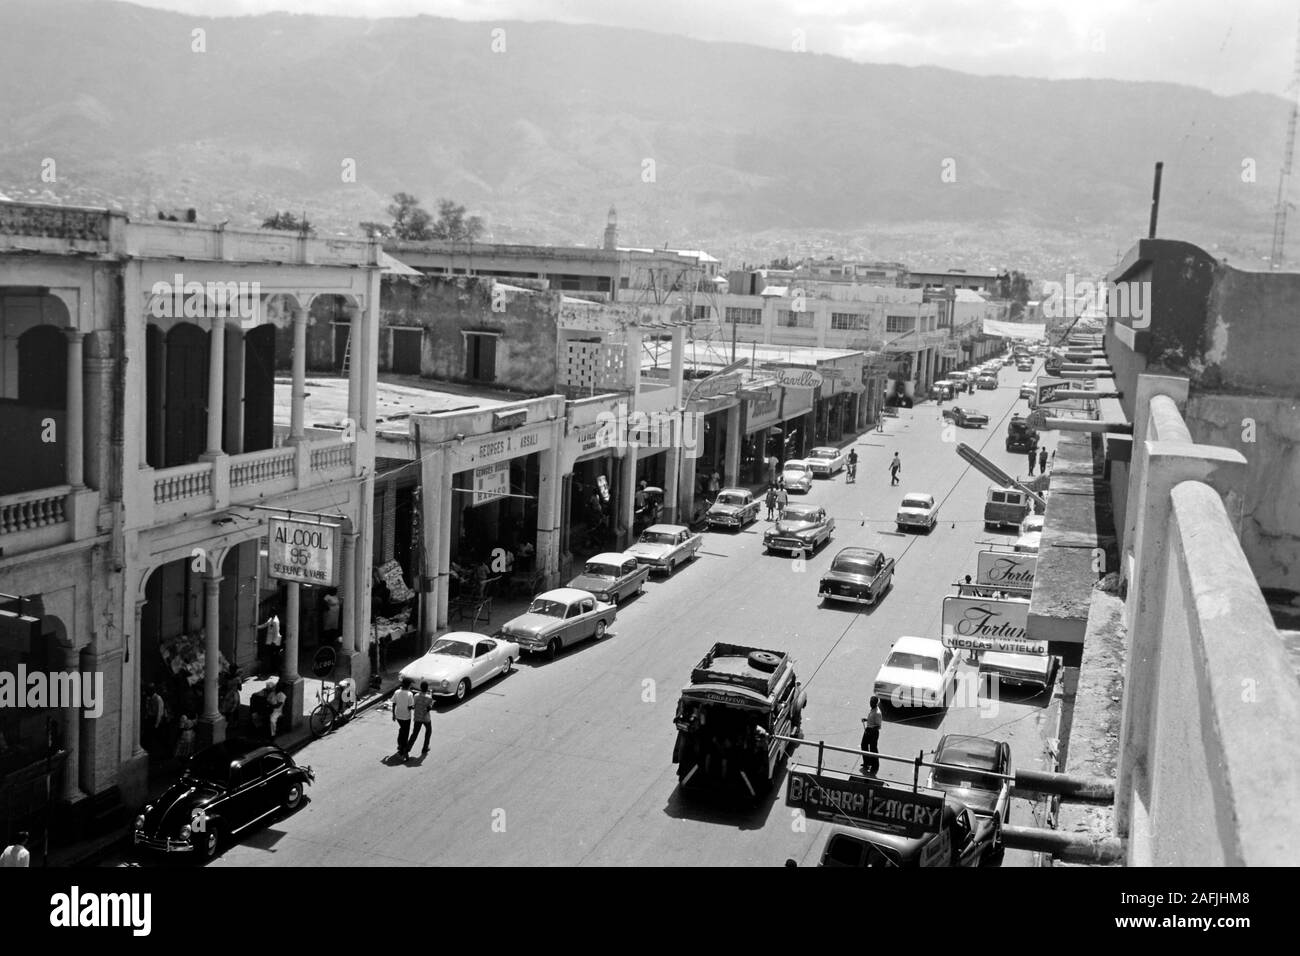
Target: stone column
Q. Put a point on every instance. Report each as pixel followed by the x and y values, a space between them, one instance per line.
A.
pixel 731 467
pixel 347 588
pixel 216 385
pixel 627 496
pixel 672 465
pixel 131 748
pixel 70 718
pixel 355 316
pixel 74 438
pixel 444 535
pixel 99 377
pixel 686 490
pixel 212 726
pixel 548 498
pixel 298 394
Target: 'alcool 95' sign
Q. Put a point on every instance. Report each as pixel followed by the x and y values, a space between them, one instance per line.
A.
pixel 303 551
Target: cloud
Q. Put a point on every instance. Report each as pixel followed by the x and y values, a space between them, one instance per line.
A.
pixel 1225 47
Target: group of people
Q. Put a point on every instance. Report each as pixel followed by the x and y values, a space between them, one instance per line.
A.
pixel 411 711
pixel 777 498
pixel 1041 458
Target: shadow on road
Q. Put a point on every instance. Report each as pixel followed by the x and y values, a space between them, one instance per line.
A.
pixel 725 807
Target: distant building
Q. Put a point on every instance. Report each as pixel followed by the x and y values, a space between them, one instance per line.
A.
pixel 980 280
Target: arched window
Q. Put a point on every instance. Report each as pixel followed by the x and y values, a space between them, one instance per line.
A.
pixel 43 367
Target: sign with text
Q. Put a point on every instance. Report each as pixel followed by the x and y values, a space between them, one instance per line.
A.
pixel 592 437
pixel 1047 389
pixel 491 482
pixel 864 801
pixel 798 378
pixel 303 551
pixel 1013 569
pixel 717 385
pixel 481 450
pixel 763 411
pixel 986 624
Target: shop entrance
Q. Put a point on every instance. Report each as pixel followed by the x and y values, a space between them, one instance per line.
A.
pixel 593 506
pixel 497 538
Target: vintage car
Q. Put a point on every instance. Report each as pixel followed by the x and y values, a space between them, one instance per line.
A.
pixel 738 701
pixel 559 619
pixel 733 508
pixel 1029 390
pixel 797 475
pixel 460 661
pixel 1020 436
pixel 801 529
pixel 223 790
pixel 943 390
pixel 1008 360
pixel 919 672
pixel 917 510
pixel 826 461
pixel 1005 506
pixel 987 381
pixel 1024 366
pixel 612 576
pixel 860 575
pixel 968 779
pixel 664 546
pixel 965 419
pixel 1022 670
pixel 964 839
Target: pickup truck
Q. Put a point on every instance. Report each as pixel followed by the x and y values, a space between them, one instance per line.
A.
pixel 1020 437
pixel 1005 506
pixel 860 575
pixel 964 419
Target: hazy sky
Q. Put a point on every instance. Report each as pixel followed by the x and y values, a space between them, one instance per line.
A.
pixel 1228 46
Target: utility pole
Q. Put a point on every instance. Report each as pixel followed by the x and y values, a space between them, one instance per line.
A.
pixel 1277 254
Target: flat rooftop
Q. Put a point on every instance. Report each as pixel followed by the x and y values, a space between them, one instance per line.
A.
pixel 710 355
pixel 397 400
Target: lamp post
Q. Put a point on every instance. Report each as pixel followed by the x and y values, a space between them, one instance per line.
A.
pixel 685 403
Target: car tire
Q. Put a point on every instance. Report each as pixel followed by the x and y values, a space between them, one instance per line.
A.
pixel 764 660
pixel 553 648
pixel 668 569
pixel 509 666
pixel 600 631
pixel 210 845
pixel 293 799
pixel 462 689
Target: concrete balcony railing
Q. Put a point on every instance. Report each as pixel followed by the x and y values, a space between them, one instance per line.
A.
pixel 1209 762
pixel 31 520
pixel 236 479
pixel 38 227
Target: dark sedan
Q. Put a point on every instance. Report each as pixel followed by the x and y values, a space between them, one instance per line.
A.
pixel 985 795
pixel 224 789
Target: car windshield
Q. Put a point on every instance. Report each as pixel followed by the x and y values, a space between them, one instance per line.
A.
pixel 858 564
pixel 549 608
pixel 597 570
pixel 657 537
pixel 794 514
pixel 798 467
pixel 915 503
pixel 909 662
pixel 736 500
pixel 452 648
pixel 979 754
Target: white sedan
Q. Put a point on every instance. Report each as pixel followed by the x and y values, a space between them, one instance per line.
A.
pixel 797 475
pixel 919 672
pixel 460 661
pixel 917 510
pixel 827 461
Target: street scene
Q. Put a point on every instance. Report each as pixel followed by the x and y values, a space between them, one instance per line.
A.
pixel 535 473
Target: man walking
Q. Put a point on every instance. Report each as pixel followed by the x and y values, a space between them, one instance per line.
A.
pixel 771 501
pixel 1042 461
pixel 871 736
pixel 403 704
pixel 895 467
pixel 1033 458
pixel 782 499
pixel 16 854
pixel 423 704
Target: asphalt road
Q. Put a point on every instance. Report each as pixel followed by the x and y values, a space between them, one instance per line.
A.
pixel 569 762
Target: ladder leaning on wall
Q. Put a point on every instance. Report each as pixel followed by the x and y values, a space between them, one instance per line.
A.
pixel 347 355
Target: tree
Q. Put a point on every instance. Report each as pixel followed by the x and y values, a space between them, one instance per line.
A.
pixel 288 222
pixel 453 224
pixel 410 220
pixel 376 229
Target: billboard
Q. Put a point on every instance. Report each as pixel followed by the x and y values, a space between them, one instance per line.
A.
pixel 1013 569
pixel 305 552
pixel 1047 389
pixel 864 801
pixel 987 624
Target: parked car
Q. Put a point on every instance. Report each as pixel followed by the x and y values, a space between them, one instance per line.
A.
pixel 917 510
pixel 826 461
pixel 733 508
pixel 797 475
pixel 988 381
pixel 983 795
pixel 665 546
pixel 223 790
pixel 1008 359
pixel 1029 389
pixel 1022 670
pixel 460 661
pixel 861 575
pixel 965 419
pixel 964 839
pixel 1024 366
pixel 1005 507
pixel 612 576
pixel 943 390
pixel 799 528
pixel 1020 436
pixel 919 672
pixel 558 619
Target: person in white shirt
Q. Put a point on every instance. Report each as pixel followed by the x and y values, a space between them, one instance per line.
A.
pixel 403 703
pixel 16 853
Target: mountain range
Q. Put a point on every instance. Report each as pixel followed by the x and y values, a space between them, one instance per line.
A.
pixel 541 127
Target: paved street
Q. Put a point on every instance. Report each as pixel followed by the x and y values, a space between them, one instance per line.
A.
pixel 570 762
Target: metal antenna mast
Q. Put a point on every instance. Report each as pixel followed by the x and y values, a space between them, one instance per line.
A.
pixel 1279 212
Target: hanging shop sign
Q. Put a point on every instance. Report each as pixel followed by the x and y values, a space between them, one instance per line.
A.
pixel 479 451
pixel 305 552
pixel 863 801
pixel 1013 569
pixel 986 624
pixel 491 482
pixel 763 411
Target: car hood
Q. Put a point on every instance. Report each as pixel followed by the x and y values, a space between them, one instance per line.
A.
pixel 909 677
pixel 789 476
pixel 979 801
pixel 532 623
pixel 725 509
pixel 175 807
pixel 650 550
pixel 436 667
pixel 592 582
pixel 794 527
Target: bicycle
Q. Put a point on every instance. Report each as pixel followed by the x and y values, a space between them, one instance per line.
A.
pixel 851 473
pixel 335 707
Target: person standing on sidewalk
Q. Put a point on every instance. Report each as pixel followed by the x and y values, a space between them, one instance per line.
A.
pixel 420 720
pixel 1042 460
pixel 771 501
pixel 403 704
pixel 1033 458
pixel 895 467
pixel 871 736
pixel 782 499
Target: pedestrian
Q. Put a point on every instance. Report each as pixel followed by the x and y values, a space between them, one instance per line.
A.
pixel 275 701
pixel 715 484
pixel 420 716
pixel 330 620
pixel 782 499
pixel 272 643
pixel 1033 459
pixel 880 422
pixel 403 704
pixel 895 467
pixel 1042 460
pixel 871 736
pixel 771 501
pixel 155 712
pixel 229 705
pixel 15 854
pixel 185 743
